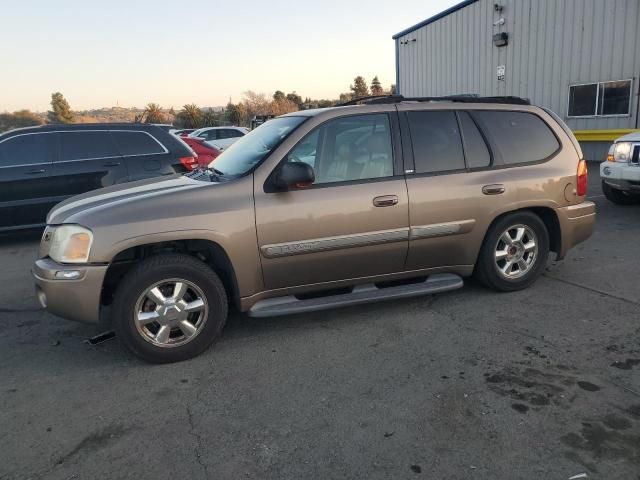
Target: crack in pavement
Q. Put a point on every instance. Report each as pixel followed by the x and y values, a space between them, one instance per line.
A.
pixel 591 289
pixel 198 446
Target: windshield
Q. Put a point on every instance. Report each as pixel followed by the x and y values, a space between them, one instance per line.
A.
pixel 251 149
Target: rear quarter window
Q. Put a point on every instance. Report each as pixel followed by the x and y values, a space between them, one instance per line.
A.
pixel 136 143
pixel 519 137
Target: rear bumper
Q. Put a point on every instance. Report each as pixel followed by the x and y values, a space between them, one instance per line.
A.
pixel 77 299
pixel 577 223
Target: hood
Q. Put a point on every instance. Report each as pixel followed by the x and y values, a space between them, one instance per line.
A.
pixel 120 194
pixel 629 137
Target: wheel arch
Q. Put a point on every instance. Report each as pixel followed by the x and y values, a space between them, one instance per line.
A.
pixel 205 250
pixel 548 216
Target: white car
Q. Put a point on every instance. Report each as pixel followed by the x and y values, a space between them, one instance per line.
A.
pixel 220 137
pixel 621 172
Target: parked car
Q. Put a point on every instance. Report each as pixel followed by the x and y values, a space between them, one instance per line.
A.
pixel 42 166
pixel 621 172
pixel 393 200
pixel 220 137
pixel 204 151
pixel 184 132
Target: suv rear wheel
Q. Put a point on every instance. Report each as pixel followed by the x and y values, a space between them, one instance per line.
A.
pixel 618 196
pixel 169 308
pixel 514 252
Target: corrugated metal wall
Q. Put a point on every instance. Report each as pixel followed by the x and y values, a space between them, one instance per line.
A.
pixel 552 44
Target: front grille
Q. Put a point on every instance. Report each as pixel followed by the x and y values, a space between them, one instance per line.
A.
pixel 636 154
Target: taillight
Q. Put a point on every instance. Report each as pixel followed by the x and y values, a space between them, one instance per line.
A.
pixel 189 162
pixel 582 177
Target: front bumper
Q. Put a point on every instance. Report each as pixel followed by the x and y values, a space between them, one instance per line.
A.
pixel 622 176
pixel 577 223
pixel 75 299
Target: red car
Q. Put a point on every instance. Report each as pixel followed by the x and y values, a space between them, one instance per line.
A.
pixel 205 152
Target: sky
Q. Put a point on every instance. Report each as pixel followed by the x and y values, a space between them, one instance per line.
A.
pixel 130 53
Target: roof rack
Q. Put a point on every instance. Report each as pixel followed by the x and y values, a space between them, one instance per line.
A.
pixel 462 98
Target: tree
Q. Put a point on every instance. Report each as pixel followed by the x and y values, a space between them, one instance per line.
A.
pixel 279 96
pixel 237 114
pixel 190 116
pixel 256 103
pixel 359 87
pixel 60 110
pixel 153 113
pixel 376 86
pixel 295 98
pixel 19 119
pixel 393 89
pixel 282 106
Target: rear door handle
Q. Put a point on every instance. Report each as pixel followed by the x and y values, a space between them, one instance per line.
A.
pixel 111 164
pixel 495 189
pixel 35 172
pixel 385 201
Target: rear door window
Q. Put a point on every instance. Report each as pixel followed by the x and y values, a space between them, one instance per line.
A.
pixel 136 143
pixel 519 137
pixel 29 149
pixel 232 133
pixel 437 145
pixel 86 145
pixel 475 149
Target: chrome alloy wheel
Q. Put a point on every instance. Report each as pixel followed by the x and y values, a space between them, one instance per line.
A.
pixel 171 313
pixel 516 251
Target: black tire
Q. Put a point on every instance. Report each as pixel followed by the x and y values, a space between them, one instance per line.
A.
pixel 154 270
pixel 618 196
pixel 486 270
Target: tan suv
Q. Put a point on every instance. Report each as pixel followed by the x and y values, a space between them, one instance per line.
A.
pixel 317 209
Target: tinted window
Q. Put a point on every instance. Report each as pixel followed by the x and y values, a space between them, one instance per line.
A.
pixel 614 98
pixel 351 148
pixel 475 148
pixel 136 143
pixel 437 146
pixel 231 133
pixel 25 150
pixel 520 137
pixel 86 145
pixel 582 100
pixel 209 135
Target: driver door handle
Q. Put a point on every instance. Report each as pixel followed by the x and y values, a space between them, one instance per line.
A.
pixel 385 201
pixel 36 172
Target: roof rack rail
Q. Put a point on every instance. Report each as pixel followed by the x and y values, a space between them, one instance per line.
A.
pixel 462 98
pixel 372 99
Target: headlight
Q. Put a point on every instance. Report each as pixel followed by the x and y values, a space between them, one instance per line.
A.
pixel 71 244
pixel 622 152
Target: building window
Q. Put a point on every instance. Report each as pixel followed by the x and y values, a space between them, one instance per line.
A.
pixel 600 99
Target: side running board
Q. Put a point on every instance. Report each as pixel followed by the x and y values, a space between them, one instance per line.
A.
pixel 440 282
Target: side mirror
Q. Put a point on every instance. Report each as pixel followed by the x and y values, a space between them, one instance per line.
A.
pixel 293 175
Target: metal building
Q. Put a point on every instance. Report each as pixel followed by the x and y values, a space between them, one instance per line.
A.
pixel 580 58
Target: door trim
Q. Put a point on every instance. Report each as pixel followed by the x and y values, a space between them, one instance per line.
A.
pixel 442 229
pixel 338 242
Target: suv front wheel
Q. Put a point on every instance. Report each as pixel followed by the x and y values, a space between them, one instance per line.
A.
pixel 169 308
pixel 514 253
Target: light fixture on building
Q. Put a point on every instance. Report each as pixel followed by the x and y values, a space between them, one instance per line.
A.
pixel 501 39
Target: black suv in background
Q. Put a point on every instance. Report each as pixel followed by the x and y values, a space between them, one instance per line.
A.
pixel 42 166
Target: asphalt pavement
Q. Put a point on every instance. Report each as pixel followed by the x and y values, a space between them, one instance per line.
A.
pixel 538 384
